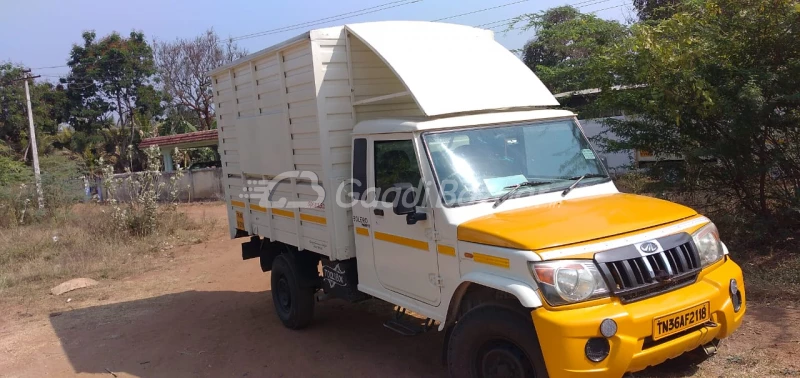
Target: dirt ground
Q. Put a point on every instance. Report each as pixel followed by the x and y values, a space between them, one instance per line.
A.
pixel 206 313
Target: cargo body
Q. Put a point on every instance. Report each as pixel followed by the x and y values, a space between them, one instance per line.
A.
pixel 424 165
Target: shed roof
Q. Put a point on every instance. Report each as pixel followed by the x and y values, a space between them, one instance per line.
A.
pixel 196 139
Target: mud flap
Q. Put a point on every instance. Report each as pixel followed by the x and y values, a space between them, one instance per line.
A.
pixel 340 280
pixel 262 248
pixel 251 249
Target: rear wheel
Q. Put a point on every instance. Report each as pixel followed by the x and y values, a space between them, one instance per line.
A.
pixel 492 341
pixel 293 304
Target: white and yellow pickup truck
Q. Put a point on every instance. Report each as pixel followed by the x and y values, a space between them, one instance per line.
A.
pixel 424 165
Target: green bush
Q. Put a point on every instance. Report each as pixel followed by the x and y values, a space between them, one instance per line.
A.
pixel 716 83
pixel 62 186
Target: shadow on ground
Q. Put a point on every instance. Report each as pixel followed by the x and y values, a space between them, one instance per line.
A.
pixel 236 334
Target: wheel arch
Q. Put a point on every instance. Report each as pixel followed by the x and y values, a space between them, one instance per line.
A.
pixel 474 281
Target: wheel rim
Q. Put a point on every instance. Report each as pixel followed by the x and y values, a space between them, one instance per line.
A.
pixel 284 295
pixel 503 359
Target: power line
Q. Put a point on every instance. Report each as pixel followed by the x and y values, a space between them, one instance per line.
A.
pixel 321 19
pixel 617 6
pixel 479 10
pixel 590 3
pixel 67 65
pixel 342 16
pixel 580 4
pixel 46 68
pixel 385 6
pixel 494 22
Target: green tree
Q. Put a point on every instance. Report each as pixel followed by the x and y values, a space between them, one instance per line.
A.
pixel 721 81
pixel 656 9
pixel 112 82
pixel 47 102
pixel 13 119
pixel 565 43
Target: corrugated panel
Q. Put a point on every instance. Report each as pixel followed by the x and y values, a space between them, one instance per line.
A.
pixel 334 101
pixel 226 109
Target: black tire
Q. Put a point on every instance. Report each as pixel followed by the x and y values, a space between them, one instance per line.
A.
pixel 293 304
pixel 494 341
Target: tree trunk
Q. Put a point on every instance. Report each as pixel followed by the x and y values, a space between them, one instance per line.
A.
pixel 762 183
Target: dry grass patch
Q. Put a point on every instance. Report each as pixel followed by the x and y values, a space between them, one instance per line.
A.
pixel 82 243
pixel 773 277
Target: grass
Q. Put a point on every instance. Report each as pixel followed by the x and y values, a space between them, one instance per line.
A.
pixel 772 277
pixel 80 243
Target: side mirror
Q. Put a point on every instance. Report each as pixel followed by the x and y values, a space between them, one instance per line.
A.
pixel 404 198
pixel 405 203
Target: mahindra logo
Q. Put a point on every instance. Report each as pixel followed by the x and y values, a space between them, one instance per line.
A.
pixel 648 247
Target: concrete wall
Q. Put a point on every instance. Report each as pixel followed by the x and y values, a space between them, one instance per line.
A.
pixel 195 185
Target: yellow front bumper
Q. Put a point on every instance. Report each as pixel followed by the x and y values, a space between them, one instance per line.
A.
pixel 563 334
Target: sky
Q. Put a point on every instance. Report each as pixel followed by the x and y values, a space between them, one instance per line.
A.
pixel 40 33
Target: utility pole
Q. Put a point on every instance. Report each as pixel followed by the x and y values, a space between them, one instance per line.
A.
pixel 34 149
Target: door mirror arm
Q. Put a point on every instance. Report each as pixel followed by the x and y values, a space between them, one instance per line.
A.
pixel 407 195
pixel 412 218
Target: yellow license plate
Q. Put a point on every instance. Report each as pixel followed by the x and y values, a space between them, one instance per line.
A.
pixel 679 321
pixel 239 220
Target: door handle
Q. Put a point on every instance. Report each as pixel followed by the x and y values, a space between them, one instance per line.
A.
pixel 378 212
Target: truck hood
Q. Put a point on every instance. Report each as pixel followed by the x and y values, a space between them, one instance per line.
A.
pixel 571 221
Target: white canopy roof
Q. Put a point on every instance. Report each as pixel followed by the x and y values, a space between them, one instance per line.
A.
pixel 451 68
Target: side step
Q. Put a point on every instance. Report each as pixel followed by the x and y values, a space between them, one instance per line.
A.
pixel 407 325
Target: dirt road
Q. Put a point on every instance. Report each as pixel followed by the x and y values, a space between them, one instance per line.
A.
pixel 206 313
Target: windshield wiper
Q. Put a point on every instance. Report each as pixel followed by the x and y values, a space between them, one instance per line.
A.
pixel 578 179
pixel 515 188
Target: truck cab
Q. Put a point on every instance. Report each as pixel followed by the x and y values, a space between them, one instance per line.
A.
pixel 518 203
pixel 424 165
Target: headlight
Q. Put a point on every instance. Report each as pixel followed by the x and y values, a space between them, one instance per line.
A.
pixel 708 245
pixel 569 281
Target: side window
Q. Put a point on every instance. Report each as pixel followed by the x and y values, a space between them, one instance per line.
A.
pixel 395 162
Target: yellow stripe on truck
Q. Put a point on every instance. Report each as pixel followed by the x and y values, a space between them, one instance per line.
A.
pixel 491 260
pixel 413 243
pixel 237 203
pixel 313 218
pixel 283 213
pixel 362 231
pixel 258 208
pixel 445 250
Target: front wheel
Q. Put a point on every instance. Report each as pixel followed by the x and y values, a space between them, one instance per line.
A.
pixel 493 341
pixel 293 304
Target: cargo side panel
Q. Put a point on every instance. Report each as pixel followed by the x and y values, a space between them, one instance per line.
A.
pixel 267 113
pixel 337 119
pixel 228 148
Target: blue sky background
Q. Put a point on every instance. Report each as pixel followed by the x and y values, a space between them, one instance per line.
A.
pixel 39 33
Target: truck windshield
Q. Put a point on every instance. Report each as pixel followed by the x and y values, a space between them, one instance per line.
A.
pixel 483 164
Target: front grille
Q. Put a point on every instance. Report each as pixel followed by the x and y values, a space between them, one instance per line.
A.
pixel 637 276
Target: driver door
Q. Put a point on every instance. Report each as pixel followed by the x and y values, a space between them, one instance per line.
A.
pixel 405 260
